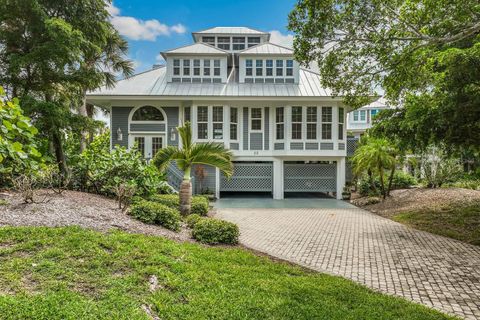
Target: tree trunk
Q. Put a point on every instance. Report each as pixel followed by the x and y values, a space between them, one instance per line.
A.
pixel 372 181
pixel 382 184
pixel 185 197
pixel 390 180
pixel 83 112
pixel 59 154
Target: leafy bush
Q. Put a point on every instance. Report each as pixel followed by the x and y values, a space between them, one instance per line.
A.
pixel 103 170
pixel 465 183
pixel 438 168
pixel 18 144
pixel 156 213
pixel 200 204
pixel 192 220
pixel 402 180
pixel 214 231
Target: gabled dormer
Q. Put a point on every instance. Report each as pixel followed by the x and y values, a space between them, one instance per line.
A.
pixel 232 39
pixel 268 63
pixel 196 63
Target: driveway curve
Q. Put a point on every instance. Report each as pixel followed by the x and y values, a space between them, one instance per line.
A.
pixel 384 255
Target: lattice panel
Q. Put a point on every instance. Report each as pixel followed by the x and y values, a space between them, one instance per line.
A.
pixel 351 146
pixel 249 177
pixel 310 177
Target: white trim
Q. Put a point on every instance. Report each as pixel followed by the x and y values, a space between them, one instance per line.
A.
pixel 132 112
pixel 148 141
pixel 359 118
pixel 262 119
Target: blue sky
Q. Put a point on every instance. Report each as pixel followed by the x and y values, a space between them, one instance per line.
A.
pixel 154 26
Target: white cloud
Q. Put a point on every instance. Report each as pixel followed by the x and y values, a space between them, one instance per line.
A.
pixel 281 39
pixel 136 29
pixel 159 59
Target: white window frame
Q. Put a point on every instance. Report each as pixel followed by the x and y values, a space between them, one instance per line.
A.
pixel 359 118
pixel 206 121
pixel 218 122
pixel 224 43
pixel 341 123
pixel 199 67
pixel 237 110
pixel 130 116
pixel 250 118
pixel 184 67
pixel 244 43
pixel 287 68
pixel 297 122
pixel 283 122
pixel 327 122
pixel 315 123
pixel 252 44
pixel 178 67
pixel 249 67
pixel 217 68
pixel 209 68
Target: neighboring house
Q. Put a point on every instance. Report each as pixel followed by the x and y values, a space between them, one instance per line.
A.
pixel 360 120
pixel 287 133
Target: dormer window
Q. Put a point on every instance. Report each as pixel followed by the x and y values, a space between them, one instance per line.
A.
pixel 223 43
pixel 238 43
pixel 259 67
pixel 289 69
pixel 269 68
pixel 279 68
pixel 196 67
pixel 253 41
pixel 186 67
pixel 206 68
pixel 216 67
pixel 209 40
pixel 176 67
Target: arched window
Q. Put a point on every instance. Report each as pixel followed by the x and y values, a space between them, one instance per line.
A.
pixel 148 113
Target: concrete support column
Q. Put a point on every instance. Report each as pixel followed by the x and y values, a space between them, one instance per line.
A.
pixel 340 177
pixel 217 183
pixel 278 179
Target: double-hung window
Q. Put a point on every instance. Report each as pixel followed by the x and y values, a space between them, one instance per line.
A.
pixel 279 68
pixel 359 116
pixel 176 67
pixel 269 68
pixel 238 43
pixel 341 115
pixel 216 67
pixel 209 40
pixel 327 123
pixel 233 124
pixel 196 67
pixel 312 123
pixel 255 119
pixel 297 123
pixel 186 67
pixel 202 122
pixel 253 41
pixel 223 43
pixel 249 67
pixel 289 68
pixel 279 123
pixel 206 67
pixel 258 68
pixel 217 121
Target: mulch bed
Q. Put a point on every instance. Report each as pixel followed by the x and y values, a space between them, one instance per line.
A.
pixel 76 208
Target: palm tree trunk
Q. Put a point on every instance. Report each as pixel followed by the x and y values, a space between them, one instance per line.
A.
pixel 382 184
pixel 186 193
pixel 390 180
pixel 372 181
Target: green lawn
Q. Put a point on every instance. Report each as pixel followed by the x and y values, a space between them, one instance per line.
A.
pixel 458 221
pixel 73 273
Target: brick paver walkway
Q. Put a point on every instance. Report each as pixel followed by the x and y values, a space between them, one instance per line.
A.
pixel 377 252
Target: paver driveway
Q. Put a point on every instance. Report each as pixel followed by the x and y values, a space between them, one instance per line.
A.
pixel 384 255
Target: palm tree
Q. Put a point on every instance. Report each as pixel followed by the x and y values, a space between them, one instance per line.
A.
pixel 210 153
pixel 375 156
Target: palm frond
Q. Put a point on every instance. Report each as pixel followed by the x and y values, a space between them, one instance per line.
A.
pixel 166 155
pixel 185 133
pixel 213 154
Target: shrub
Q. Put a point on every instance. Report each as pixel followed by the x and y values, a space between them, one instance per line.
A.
pixel 199 203
pixel 192 220
pixel 156 213
pixel 402 180
pixel 214 231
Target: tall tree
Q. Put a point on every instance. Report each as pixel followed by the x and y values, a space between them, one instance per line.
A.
pixel 189 154
pixel 416 51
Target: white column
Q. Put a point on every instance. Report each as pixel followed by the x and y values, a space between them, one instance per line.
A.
pixel 217 183
pixel 277 179
pixel 340 177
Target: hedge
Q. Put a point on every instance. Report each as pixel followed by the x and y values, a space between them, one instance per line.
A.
pixel 199 203
pixel 156 213
pixel 214 231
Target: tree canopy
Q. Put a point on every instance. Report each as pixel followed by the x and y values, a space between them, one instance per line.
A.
pixel 424 54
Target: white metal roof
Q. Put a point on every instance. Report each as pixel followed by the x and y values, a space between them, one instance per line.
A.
pixel 267 48
pixel 154 83
pixel 196 48
pixel 231 30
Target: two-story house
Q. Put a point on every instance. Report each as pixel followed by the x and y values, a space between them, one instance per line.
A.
pixel 287 133
pixel 360 120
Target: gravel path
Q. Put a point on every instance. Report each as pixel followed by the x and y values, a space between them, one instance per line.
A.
pixel 77 208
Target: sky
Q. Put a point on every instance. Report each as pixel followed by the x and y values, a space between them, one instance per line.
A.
pixel 154 26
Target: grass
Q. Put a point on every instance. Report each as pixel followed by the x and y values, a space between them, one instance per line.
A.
pixel 459 221
pixel 73 273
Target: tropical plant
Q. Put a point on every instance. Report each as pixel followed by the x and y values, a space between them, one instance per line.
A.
pixel 18 144
pixel 189 154
pixel 438 168
pixel 215 231
pixel 376 156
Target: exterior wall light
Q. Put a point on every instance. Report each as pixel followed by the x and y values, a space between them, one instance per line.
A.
pixel 119 134
pixel 173 134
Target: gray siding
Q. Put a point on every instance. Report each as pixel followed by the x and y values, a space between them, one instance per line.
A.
pixel 245 128
pixel 119 119
pixel 326 146
pixel 154 127
pixel 311 146
pixel 256 142
pixel 279 146
pixel 234 146
pixel 266 130
pixel 296 146
pixel 341 146
pixel 172 121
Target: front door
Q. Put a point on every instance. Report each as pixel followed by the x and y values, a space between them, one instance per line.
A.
pixel 148 145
